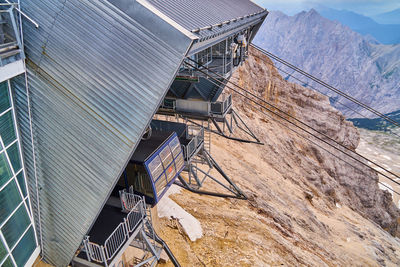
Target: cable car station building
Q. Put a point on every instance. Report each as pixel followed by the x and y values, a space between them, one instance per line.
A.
pixel 82 159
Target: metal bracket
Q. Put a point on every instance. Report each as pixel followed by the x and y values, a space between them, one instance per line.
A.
pixel 226 127
pixel 23 14
pixel 194 185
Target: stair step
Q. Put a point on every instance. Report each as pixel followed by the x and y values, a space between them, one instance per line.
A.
pixel 10 53
pixel 8 46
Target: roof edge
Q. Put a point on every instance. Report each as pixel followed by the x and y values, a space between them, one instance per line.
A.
pixel 153 9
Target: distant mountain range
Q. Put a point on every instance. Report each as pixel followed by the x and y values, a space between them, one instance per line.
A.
pixel 392 17
pixel 383 33
pixel 336 54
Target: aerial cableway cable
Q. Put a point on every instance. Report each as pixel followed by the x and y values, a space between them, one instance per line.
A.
pixel 310 86
pixel 219 83
pixel 329 152
pixel 339 92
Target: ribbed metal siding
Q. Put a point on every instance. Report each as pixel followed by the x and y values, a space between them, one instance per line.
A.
pixel 196 14
pixel 96 78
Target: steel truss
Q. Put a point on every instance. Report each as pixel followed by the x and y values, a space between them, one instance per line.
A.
pixel 226 126
pixel 197 175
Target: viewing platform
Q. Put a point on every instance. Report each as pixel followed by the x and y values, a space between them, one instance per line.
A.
pixel 120 225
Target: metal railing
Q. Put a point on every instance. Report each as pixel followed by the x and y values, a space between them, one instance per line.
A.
pixel 94 251
pixel 116 240
pixel 10 38
pixel 137 212
pixel 220 107
pixel 196 134
pixel 169 104
pixel 129 200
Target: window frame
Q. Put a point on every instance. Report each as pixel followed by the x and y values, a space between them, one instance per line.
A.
pixel 25 200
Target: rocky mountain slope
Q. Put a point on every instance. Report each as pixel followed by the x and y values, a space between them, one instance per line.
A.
pixel 334 53
pixel 305 206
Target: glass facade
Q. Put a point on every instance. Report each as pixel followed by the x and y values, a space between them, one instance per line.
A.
pixel 17 235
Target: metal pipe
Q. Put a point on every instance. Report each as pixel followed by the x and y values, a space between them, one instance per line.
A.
pixel 208 193
pixel 23 14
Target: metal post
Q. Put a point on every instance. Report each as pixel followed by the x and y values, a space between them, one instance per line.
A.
pixel 126 180
pixel 85 244
pixel 16 31
pixel 126 227
pixel 103 256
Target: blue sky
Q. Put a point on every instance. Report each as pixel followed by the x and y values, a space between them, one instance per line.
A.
pixel 365 7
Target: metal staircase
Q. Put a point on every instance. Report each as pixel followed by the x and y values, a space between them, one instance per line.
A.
pixel 136 231
pixel 148 240
pixel 10 39
pixel 207 137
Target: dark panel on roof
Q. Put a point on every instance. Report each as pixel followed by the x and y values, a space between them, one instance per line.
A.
pixel 147 148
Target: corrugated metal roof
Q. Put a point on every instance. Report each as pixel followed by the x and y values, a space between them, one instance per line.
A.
pixel 96 76
pixel 197 14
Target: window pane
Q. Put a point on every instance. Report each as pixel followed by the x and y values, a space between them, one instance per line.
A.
pixel 4 97
pixel 7 131
pixel 25 248
pixel 3 251
pixel 13 154
pixel 21 182
pixel 8 263
pixel 166 156
pixel 9 199
pixel 16 226
pixel 155 168
pixel 5 170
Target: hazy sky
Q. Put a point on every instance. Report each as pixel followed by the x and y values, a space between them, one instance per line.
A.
pixel 366 7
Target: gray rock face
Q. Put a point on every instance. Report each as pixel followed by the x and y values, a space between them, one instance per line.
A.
pixel 338 56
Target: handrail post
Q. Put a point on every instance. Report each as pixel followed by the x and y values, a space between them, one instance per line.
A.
pixel 103 255
pixel 85 244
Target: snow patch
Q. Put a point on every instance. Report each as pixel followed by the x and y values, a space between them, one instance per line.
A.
pixel 170 209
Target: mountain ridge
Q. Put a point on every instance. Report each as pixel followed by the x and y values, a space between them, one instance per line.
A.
pixel 391 17
pixel 384 33
pixel 337 55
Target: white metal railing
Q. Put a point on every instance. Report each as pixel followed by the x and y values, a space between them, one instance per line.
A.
pixel 137 212
pixel 116 240
pixel 129 200
pixel 134 218
pixel 93 251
